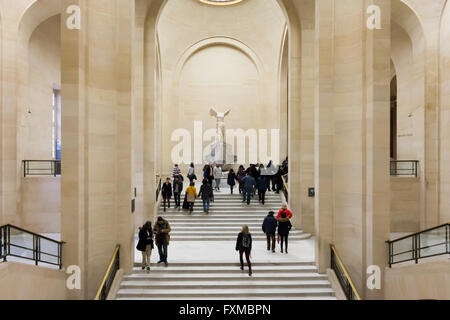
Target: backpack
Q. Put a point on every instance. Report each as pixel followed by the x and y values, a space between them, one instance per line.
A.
pixel 246 241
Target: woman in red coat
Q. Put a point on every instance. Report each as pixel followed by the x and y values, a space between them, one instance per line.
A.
pixel 285 209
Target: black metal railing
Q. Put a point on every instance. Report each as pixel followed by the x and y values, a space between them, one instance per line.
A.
pixel 285 187
pixel 41 168
pixel 108 279
pixel 343 277
pixel 404 168
pixel 424 244
pixel 19 243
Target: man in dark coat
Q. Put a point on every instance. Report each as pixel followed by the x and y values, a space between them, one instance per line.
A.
pixel 177 189
pixel 162 237
pixel 261 186
pixel 166 193
pixel 249 186
pixel 269 227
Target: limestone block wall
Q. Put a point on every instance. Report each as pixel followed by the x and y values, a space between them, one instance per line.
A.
pixel 41 204
pixel 405 205
pixel 28 282
pixel 424 281
pixel 444 118
pixel 219 62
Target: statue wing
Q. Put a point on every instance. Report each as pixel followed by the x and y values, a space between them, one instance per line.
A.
pixel 227 113
pixel 213 112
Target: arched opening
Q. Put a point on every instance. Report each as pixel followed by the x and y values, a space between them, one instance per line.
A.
pixel 39 113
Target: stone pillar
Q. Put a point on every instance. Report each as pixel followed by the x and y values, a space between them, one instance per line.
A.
pixel 352 147
pixel 96 134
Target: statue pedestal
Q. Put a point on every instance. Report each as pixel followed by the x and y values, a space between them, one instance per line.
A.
pixel 220 153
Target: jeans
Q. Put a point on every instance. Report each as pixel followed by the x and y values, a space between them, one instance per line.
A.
pixel 241 187
pixel 162 250
pixel 247 257
pixel 217 183
pixel 247 196
pixel 284 239
pixel 206 204
pixel 146 256
pixel 270 240
pixel 262 196
pixel 177 197
pixel 168 201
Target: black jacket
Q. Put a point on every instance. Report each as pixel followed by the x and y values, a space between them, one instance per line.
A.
pixel 270 225
pixel 239 242
pixel 284 226
pixel 167 190
pixel 206 192
pixel 180 186
pixel 231 179
pixel 144 239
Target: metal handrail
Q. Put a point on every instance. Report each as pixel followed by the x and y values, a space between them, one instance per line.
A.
pixel 158 186
pixel 349 288
pixel 6 243
pixel 416 247
pixel 113 267
pixel 285 187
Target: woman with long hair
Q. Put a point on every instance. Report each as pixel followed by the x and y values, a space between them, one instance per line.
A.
pixel 244 245
pixel 145 244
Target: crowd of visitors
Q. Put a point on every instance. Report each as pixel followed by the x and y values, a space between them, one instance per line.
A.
pixel 256 178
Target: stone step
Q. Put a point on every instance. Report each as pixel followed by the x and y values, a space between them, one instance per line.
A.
pixel 239 220
pixel 205 232
pixel 160 268
pixel 244 298
pixel 235 264
pixel 213 284
pixel 218 293
pixel 299 237
pixel 235 228
pixel 263 276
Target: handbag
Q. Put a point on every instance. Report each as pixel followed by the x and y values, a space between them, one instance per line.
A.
pixel 190 197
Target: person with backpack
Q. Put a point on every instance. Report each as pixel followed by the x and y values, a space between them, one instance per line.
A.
pixel 206 193
pixel 284 227
pixel 162 237
pixel 231 180
pixel 244 246
pixel 269 227
pixel 284 208
pixel 145 244
pixel 191 196
pixel 248 189
pixel 166 193
pixel 177 190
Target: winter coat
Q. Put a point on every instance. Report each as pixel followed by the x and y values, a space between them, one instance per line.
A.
pixel 231 179
pixel 262 183
pixel 206 192
pixel 217 173
pixel 161 232
pixel 191 193
pixel 284 226
pixel 241 175
pixel 240 243
pixel 270 225
pixel 249 183
pixel 167 190
pixel 288 214
pixel 176 172
pixel 180 186
pixel 145 239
